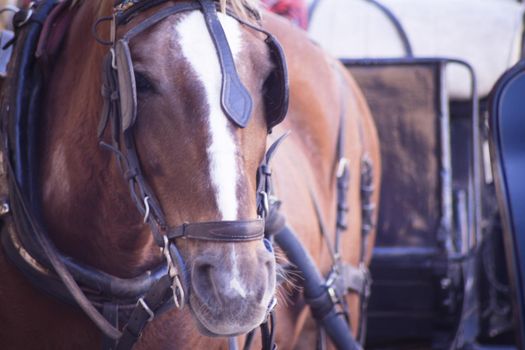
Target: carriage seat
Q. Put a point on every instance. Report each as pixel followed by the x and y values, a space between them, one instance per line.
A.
pixel 486 34
pixel 507 136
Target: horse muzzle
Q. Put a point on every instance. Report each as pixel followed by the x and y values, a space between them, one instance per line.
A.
pixel 231 287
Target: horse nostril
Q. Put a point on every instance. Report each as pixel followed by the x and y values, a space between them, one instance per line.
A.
pixel 203 269
pixel 202 279
pixel 234 278
pixel 260 294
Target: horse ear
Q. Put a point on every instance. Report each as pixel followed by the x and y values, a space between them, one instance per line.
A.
pixel 126 85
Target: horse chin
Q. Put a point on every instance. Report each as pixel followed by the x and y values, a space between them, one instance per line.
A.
pixel 213 323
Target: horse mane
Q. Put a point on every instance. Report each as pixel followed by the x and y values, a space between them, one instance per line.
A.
pixel 240 7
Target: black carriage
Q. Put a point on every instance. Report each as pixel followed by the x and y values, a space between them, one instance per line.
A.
pixel 439 264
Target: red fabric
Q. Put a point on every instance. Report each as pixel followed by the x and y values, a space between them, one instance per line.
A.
pixel 295 10
pixel 54 31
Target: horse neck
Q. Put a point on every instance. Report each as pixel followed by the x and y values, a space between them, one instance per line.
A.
pixel 86 205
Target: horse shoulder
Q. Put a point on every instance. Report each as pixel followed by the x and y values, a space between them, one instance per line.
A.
pixel 322 93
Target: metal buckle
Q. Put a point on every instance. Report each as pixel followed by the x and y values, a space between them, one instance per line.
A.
pixel 178 290
pixel 26 19
pixel 272 305
pixel 342 166
pixel 146 308
pixel 265 202
pixel 113 58
pixel 367 284
pixel 331 285
pixel 178 293
pixel 172 270
pixel 4 207
pixel 333 295
pixel 332 277
pixel 146 210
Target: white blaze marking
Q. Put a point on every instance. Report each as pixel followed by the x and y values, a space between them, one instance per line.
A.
pixel 235 283
pixel 198 49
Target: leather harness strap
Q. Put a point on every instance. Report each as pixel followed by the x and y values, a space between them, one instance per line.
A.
pixel 325 297
pixel 145 312
pixel 344 277
pixel 229 231
pixel 58 265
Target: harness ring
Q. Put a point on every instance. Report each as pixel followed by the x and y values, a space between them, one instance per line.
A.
pixel 146 209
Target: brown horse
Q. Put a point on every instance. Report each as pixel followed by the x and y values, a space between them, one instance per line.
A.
pixel 202 168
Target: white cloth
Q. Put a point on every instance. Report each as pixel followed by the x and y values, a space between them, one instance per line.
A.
pixel 6 17
pixel 485 33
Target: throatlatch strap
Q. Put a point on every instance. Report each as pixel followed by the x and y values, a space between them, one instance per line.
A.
pixel 110 312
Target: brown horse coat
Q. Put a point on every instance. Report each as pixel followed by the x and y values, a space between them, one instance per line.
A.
pixel 31 320
pixel 307 159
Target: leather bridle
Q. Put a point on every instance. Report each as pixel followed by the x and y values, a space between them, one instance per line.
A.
pixel 117 112
pixel 120 112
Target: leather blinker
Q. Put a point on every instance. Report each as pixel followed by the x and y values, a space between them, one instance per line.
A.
pixel 126 84
pixel 276 95
pixel 236 101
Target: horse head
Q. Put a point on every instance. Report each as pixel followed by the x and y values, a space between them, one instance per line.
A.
pixel 190 152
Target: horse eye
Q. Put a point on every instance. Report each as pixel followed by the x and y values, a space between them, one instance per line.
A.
pixel 143 84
